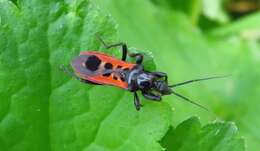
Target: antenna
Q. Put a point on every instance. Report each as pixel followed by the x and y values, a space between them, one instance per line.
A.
pixel 196 80
pixel 188 100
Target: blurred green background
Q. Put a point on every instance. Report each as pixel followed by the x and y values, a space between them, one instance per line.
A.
pixel 199 38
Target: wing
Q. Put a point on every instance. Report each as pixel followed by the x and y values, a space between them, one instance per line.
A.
pixel 100 68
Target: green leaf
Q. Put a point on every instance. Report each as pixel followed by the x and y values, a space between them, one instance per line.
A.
pixel 214 10
pixel 185 53
pixel 208 11
pixel 191 8
pixel 247 27
pixel 41 108
pixel 190 136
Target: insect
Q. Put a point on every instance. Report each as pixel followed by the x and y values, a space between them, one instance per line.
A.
pixel 101 69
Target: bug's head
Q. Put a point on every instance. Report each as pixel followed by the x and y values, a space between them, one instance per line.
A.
pixel 149 82
pixel 162 87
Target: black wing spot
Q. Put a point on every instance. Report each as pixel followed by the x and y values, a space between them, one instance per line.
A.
pixel 126 69
pixel 122 79
pixel 108 65
pixel 106 74
pixel 114 77
pixel 92 63
pixel 119 67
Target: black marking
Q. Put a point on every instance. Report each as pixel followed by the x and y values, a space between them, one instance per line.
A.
pixel 106 74
pixel 145 84
pixel 108 65
pixel 114 77
pixel 92 63
pixel 122 79
pixel 126 69
pixel 119 67
pixel 89 82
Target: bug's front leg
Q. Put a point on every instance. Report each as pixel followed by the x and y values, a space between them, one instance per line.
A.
pixel 137 102
pixel 151 96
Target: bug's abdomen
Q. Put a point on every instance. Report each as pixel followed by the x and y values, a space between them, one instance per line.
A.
pixel 101 68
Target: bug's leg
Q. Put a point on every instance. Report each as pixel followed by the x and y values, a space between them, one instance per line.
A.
pixel 66 70
pixel 137 102
pixel 161 75
pixel 139 57
pixel 123 45
pixel 151 96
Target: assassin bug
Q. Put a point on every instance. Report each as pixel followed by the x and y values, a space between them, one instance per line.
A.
pixel 101 69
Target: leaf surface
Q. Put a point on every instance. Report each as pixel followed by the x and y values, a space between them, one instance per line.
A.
pixel 190 136
pixel 42 108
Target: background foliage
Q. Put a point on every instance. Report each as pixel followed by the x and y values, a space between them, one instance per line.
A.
pixel 41 108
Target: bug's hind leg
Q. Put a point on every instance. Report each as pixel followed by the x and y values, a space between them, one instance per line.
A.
pixel 137 103
pixel 66 70
pixel 139 57
pixel 123 45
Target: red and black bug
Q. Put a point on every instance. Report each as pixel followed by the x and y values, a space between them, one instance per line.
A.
pixel 101 69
